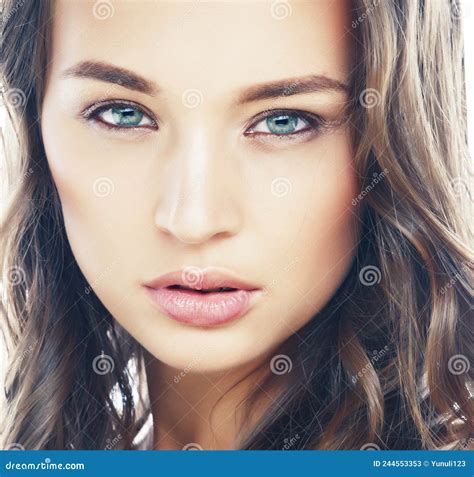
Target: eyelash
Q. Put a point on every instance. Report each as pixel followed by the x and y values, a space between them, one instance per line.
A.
pixel 314 122
pixel 92 114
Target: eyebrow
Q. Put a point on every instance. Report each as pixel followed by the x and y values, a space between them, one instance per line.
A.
pixel 292 86
pixel 109 73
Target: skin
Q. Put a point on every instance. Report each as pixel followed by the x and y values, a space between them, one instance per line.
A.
pixel 197 191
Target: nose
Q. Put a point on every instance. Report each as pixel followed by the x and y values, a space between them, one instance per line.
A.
pixel 198 200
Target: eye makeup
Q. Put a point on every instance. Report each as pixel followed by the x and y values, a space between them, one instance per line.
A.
pixel 286 123
pixel 131 115
pixel 289 124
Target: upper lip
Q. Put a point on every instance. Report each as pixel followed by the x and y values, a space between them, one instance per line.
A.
pixel 200 279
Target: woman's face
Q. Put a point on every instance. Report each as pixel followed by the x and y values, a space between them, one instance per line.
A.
pixel 222 145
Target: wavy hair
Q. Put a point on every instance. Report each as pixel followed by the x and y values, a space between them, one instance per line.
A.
pixel 385 364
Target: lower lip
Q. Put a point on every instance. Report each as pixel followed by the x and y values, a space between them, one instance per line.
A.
pixel 202 309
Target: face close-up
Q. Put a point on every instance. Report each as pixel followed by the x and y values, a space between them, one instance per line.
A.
pixel 224 150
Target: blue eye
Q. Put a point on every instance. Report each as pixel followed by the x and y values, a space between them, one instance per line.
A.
pixel 286 123
pixel 120 116
pixel 123 116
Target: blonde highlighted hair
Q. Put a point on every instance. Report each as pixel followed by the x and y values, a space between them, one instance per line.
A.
pixel 385 364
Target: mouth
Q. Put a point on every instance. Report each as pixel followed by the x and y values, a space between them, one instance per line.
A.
pixel 210 290
pixel 206 300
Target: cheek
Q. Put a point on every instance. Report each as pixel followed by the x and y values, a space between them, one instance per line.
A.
pixel 330 228
pixel 94 195
pixel 315 231
pixel 327 242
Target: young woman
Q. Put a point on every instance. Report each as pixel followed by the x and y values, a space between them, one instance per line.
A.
pixel 236 225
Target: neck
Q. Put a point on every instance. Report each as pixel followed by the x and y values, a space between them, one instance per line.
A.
pixel 207 409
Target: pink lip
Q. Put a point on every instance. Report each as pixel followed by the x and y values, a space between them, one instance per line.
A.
pixel 197 308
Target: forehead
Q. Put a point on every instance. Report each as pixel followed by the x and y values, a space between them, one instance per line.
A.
pixel 217 46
